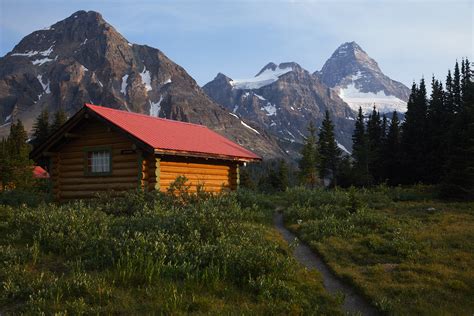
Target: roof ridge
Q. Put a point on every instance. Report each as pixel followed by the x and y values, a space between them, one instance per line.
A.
pixel 92 106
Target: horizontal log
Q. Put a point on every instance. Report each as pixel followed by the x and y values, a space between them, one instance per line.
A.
pixel 98 180
pixel 195 177
pixel 124 172
pixel 115 158
pixel 194 190
pixel 195 180
pixel 115 166
pixel 98 186
pixel 193 165
pixel 191 184
pixel 185 170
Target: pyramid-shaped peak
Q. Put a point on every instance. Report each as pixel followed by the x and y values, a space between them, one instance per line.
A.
pixel 87 19
pixel 348 49
pixel 81 14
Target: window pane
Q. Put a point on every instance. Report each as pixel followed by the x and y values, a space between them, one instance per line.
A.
pixel 98 161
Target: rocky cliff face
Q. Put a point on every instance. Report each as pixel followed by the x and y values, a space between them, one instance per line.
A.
pixel 84 59
pixel 283 99
pixel 358 80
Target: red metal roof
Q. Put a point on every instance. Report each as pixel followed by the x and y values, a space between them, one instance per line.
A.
pixel 169 135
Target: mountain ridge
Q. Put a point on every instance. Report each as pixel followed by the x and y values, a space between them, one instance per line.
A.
pixel 83 59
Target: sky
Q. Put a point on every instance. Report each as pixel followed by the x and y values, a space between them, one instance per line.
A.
pixel 408 38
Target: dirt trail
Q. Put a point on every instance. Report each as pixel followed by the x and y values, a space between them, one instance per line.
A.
pixel 353 302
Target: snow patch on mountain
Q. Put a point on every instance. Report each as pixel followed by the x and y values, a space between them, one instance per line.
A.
pixel 155 107
pixel 250 128
pixel 45 86
pixel 259 97
pixel 263 79
pixel 343 148
pixel 146 79
pixel 366 100
pixel 123 88
pixel 39 62
pixel 32 53
pixel 270 109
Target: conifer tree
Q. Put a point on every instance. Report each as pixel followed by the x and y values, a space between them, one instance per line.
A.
pixel 466 81
pixel 392 152
pixel 360 152
pixel 457 88
pixel 436 133
pixel 17 166
pixel 329 152
pixel 374 136
pixel 449 95
pixel 59 119
pixel 283 181
pixel 41 128
pixel 414 135
pixel 308 164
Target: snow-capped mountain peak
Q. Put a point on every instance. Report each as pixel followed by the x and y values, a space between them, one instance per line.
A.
pixel 269 74
pixel 358 80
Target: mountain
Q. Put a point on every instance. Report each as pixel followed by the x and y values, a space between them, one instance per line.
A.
pixel 283 99
pixel 84 59
pixel 358 80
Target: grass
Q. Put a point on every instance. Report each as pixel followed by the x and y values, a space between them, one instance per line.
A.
pixel 403 249
pixel 153 254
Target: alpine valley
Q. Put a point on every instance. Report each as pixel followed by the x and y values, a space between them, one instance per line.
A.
pixel 83 59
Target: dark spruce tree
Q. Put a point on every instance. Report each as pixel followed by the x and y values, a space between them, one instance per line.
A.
pixel 457 88
pixel 59 119
pixel 308 174
pixel 41 128
pixel 283 181
pixel 16 165
pixel 449 94
pixel 374 136
pixel 329 152
pixel 437 127
pixel 414 136
pixel 392 152
pixel 360 152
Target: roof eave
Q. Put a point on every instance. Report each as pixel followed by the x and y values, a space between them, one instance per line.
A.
pixel 205 155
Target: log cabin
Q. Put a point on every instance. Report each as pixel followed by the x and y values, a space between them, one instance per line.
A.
pixel 101 149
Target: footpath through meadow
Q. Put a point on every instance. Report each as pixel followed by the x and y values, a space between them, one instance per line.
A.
pixel 353 302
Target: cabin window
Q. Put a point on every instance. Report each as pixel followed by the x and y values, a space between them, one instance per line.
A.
pixel 98 162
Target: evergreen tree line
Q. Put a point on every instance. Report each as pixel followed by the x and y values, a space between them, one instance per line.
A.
pixel 44 127
pixel 433 145
pixel 15 165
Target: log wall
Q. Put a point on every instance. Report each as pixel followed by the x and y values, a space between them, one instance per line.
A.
pixel 68 164
pixel 212 175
